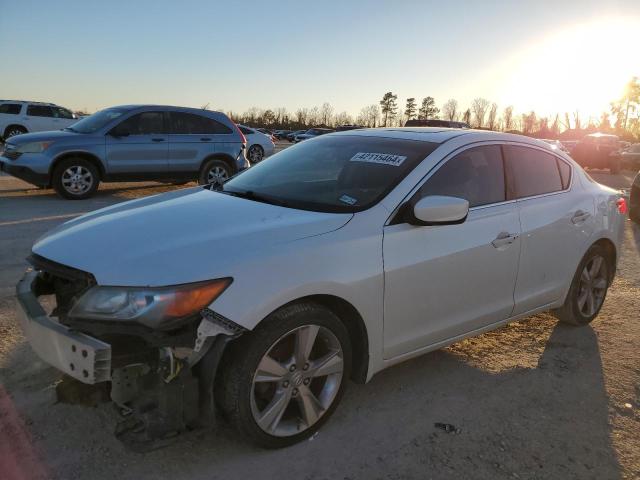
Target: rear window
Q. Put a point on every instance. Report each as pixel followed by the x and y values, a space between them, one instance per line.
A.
pixel 531 172
pixel 10 108
pixel 183 123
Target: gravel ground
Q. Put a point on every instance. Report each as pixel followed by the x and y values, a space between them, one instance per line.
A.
pixel 532 400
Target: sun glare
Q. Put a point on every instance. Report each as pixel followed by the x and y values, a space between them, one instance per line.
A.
pixel 582 68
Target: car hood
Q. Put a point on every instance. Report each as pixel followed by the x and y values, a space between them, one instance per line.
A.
pixel 179 237
pixel 49 136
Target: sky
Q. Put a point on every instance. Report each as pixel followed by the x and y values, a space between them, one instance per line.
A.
pixel 549 56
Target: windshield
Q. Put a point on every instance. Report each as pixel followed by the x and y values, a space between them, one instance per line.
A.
pixel 331 173
pixel 95 122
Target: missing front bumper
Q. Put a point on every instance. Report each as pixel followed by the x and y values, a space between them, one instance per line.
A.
pixel 80 356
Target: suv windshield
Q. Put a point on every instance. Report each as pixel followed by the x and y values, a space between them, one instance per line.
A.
pixel 331 173
pixel 95 122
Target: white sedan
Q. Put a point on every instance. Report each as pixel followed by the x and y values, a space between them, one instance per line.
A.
pixel 259 145
pixel 343 255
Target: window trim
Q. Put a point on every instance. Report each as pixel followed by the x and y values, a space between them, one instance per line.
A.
pixel 135 113
pixel 501 143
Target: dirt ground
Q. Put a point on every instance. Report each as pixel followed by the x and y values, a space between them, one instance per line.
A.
pixel 532 400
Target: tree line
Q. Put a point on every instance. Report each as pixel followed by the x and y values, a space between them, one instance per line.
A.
pixel 481 113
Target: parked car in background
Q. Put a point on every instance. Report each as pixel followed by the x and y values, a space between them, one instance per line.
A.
pixel 259 144
pixel 598 150
pixel 344 128
pixel 360 250
pixel 292 136
pixel 630 158
pixel 19 116
pixel 129 143
pixel 435 122
pixel 569 145
pixel 282 134
pixel 634 200
pixel 311 133
pixel 555 144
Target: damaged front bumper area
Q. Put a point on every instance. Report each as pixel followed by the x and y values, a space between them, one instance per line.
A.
pixel 162 382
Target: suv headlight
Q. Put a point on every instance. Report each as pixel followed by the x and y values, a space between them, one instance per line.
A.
pixel 152 307
pixel 33 147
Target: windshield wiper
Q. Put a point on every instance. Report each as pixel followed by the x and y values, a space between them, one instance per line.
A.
pixel 257 197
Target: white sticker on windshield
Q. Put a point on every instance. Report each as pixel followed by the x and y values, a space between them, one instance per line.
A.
pixel 379 158
pixel 348 200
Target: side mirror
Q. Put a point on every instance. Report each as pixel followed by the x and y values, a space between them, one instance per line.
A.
pixel 439 210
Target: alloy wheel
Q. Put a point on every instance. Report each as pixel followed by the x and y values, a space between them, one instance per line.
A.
pixel 217 175
pixel 14 132
pixel 593 286
pixel 297 380
pixel 77 180
pixel 255 154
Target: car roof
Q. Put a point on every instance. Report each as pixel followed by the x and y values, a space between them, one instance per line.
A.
pixel 441 135
pixel 155 106
pixel 29 101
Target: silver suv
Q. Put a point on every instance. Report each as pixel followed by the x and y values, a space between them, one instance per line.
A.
pixel 129 143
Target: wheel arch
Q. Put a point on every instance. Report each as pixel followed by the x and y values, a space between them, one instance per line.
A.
pixel 14 125
pixel 84 155
pixel 612 254
pixel 228 159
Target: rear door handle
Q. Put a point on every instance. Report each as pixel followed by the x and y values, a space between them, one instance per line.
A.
pixel 157 139
pixel 504 238
pixel 580 216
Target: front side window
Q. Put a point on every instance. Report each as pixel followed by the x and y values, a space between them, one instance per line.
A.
pixel 39 111
pixel 145 123
pixel 97 121
pixel 476 174
pixel 10 108
pixel 531 172
pixel 332 173
pixel 183 123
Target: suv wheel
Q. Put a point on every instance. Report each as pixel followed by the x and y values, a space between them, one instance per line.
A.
pixel 588 289
pixel 255 153
pixel 14 130
pixel 214 172
pixel 284 379
pixel 75 179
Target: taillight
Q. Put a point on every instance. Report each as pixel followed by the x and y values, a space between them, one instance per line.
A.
pixel 621 203
pixel 244 139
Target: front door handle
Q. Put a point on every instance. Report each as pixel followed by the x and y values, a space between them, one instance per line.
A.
pixel 503 239
pixel 157 139
pixel 580 216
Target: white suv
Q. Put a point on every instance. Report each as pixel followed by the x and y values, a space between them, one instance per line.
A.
pixel 18 116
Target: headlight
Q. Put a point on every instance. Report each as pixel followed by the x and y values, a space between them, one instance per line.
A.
pixel 152 307
pixel 33 147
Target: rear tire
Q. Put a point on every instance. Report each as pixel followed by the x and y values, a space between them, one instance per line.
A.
pixel 273 395
pixel 588 289
pixel 75 179
pixel 13 130
pixel 214 172
pixel 255 154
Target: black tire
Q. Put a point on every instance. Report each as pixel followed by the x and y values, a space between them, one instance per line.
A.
pixel 233 388
pixel 211 165
pixel 571 312
pixel 255 154
pixel 13 130
pixel 60 177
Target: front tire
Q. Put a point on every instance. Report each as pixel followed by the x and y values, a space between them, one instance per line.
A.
pixel 588 288
pixel 279 383
pixel 75 179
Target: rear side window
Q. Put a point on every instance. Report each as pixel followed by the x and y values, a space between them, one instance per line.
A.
pixel 146 123
pixel 39 111
pixel 191 124
pixel 477 175
pixel 10 108
pixel 565 173
pixel 531 172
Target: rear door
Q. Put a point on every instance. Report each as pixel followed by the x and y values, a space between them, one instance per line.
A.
pixel 556 222
pixel 138 148
pixel 448 280
pixel 192 138
pixel 39 118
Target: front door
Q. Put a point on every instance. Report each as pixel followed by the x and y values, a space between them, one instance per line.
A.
pixel 445 281
pixel 138 148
